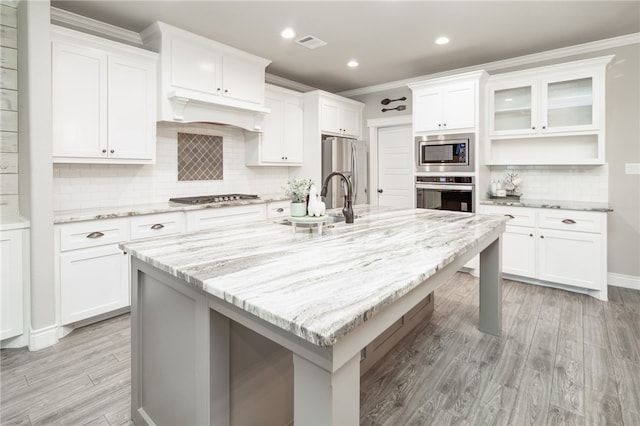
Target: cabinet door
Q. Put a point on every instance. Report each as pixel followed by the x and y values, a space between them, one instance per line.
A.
pixel 427 110
pixel 519 251
pixel 293 130
pixel 350 121
pixel 79 101
pixel 195 67
pixel 569 104
pixel 330 117
pixel 272 137
pixel 571 258
pixel 11 303
pixel 513 109
pixel 131 110
pixel 242 79
pixel 92 282
pixel 459 106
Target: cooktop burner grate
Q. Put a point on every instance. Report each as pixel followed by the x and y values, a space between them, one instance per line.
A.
pixel 207 199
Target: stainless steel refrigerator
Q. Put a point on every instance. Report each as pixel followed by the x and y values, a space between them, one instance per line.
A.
pixel 351 158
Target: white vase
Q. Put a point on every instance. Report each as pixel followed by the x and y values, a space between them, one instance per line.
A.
pixel 298 209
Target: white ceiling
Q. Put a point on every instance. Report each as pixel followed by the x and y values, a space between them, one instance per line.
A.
pixel 392 40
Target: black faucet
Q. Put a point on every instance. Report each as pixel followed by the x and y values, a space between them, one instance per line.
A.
pixel 347 210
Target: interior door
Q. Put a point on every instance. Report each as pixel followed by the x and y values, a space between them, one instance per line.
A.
pixel 395 167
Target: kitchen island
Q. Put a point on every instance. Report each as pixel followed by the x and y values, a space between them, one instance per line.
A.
pixel 322 297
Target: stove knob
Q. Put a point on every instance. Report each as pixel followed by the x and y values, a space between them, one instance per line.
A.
pixel 216 199
pixel 225 199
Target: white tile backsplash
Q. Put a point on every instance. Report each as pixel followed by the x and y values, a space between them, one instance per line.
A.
pixel 111 185
pixel 568 183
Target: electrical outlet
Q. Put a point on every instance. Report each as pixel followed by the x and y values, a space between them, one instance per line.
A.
pixel 632 168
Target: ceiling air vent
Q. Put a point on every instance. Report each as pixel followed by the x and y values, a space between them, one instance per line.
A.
pixel 310 42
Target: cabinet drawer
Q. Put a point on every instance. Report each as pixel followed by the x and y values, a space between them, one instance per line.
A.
pixel 222 216
pixel 569 220
pixel 520 216
pixel 278 209
pixel 157 225
pixel 92 234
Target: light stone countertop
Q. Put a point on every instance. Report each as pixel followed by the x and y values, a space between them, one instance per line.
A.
pixel 551 204
pixel 319 287
pixel 10 222
pixel 78 215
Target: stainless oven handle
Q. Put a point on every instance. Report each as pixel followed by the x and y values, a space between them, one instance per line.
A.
pixel 444 187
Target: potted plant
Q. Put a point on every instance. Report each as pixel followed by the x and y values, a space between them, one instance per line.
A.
pixel 297 189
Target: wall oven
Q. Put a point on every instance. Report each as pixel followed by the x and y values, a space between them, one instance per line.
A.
pixel 445 153
pixel 454 193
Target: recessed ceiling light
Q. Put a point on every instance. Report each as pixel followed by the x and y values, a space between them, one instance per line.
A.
pixel 352 63
pixel 442 40
pixel 288 33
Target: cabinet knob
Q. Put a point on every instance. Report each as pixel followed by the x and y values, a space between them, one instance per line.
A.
pixel 444 125
pixel 544 127
pixel 157 226
pixel 531 235
pixel 226 91
pixel 218 89
pixel 439 125
pixel 104 151
pixel 380 191
pixel 569 221
pixel 112 151
pixel 541 236
pixel 533 127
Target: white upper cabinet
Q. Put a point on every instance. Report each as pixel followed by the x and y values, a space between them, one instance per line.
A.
pixel 340 117
pixel 280 143
pixel 548 115
pixel 547 105
pixel 448 103
pixel 203 80
pixel 103 100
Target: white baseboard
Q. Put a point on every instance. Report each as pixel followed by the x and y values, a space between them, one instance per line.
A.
pixel 626 281
pixel 43 338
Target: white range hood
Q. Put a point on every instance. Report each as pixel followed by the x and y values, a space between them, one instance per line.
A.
pixel 201 80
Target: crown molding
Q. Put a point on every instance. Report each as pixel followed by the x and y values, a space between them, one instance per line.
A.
pixel 506 63
pixel 71 20
pixel 287 84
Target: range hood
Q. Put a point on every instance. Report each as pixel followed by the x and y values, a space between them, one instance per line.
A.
pixel 203 81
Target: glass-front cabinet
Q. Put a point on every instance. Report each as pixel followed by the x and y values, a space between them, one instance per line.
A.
pixel 545 105
pixel 569 104
pixel 547 115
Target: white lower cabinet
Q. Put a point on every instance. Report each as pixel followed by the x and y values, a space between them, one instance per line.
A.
pixel 553 246
pixel 93 281
pixel 11 283
pixel 92 270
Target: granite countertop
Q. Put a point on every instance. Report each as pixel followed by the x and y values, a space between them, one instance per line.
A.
pixel 66 216
pixel 10 222
pixel 319 287
pixel 552 204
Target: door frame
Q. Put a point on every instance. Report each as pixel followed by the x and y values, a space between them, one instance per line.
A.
pixel 374 124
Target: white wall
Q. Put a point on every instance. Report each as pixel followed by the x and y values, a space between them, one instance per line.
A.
pixel 77 186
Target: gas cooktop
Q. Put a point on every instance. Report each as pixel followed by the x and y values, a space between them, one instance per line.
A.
pixel 207 199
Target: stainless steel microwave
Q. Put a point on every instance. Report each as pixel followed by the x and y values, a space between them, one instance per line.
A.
pixel 445 153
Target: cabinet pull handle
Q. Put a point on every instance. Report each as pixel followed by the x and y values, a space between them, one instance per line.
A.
pixel 280 210
pixel 95 235
pixel 157 226
pixel 510 216
pixel 569 221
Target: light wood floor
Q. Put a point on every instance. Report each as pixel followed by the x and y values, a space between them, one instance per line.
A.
pixel 563 358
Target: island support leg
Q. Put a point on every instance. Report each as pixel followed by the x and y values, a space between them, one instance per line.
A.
pixel 324 398
pixel 491 288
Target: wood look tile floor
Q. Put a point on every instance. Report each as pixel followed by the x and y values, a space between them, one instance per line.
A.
pixel 563 358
